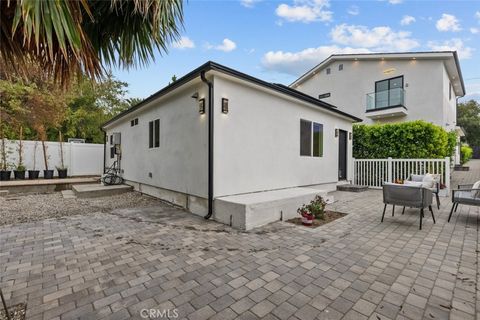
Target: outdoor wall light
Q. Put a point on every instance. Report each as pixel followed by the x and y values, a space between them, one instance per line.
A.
pixel 201 106
pixel 336 133
pixel 224 105
pixel 195 95
pixel 349 136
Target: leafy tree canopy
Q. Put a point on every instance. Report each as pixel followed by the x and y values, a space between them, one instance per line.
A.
pixel 468 117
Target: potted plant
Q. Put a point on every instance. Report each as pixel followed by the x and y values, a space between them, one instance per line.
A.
pixel 317 207
pixel 62 169
pixel 33 174
pixel 5 173
pixel 19 171
pixel 307 216
pixel 47 173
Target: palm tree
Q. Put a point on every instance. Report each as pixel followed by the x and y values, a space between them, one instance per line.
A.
pixel 68 38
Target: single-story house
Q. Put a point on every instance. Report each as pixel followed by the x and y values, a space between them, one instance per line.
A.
pixel 232 147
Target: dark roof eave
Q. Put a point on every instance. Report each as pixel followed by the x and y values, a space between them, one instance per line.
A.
pixel 218 67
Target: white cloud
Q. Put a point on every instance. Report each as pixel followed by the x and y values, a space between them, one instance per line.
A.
pixel 477 15
pixel 305 11
pixel 353 10
pixel 248 3
pixel 395 1
pixel 448 22
pixel 452 45
pixel 226 46
pixel 474 30
pixel 381 38
pixel 406 20
pixel 184 43
pixel 295 63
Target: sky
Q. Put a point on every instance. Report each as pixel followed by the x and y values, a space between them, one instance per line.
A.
pixel 277 41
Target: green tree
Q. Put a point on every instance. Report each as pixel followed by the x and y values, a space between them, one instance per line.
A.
pixel 468 117
pixel 134 101
pixel 67 38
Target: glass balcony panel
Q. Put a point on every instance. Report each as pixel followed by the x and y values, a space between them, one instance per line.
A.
pixel 385 99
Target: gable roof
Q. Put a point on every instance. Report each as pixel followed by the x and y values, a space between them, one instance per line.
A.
pixel 210 65
pixel 450 57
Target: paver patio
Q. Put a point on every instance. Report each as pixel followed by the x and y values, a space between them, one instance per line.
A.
pixel 114 265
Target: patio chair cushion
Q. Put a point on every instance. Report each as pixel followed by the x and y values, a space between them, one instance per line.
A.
pixel 476 193
pixel 428 181
pixel 466 197
pixel 413 183
pixel 417 177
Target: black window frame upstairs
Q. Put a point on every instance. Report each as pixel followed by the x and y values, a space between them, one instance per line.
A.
pixel 388 88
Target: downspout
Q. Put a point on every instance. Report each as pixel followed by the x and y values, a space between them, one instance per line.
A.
pixel 104 149
pixel 210 144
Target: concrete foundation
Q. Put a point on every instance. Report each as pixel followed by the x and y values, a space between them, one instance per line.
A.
pixel 43 185
pixel 98 190
pixel 253 210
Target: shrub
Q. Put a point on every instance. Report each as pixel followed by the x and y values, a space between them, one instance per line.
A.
pixel 415 139
pixel 315 208
pixel 465 153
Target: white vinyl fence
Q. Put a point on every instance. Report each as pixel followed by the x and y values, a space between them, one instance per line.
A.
pixel 81 159
pixel 374 172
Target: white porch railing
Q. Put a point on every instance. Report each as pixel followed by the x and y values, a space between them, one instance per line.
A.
pixel 374 172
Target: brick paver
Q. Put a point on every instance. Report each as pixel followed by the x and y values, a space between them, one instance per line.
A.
pixel 115 265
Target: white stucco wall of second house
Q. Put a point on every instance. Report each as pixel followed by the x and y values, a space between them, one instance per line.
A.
pixel 449 104
pixel 423 84
pixel 257 144
pixel 180 163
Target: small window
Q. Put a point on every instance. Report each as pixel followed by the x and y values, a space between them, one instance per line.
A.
pixel 111 139
pixel 311 139
pixel 134 122
pixel 154 134
pixel 340 67
pixel 317 139
pixel 305 138
pixel 112 152
pixel 328 70
pixel 323 96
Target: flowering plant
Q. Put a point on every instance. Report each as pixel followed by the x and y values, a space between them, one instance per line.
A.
pixel 315 209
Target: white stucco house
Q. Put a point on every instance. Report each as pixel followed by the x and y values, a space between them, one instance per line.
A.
pixel 230 146
pixel 390 87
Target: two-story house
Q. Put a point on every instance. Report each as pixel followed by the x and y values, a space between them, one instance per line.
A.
pixel 389 87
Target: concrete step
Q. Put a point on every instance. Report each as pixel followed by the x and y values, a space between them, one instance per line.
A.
pixel 3 193
pixel 352 188
pixel 99 190
pixel 68 194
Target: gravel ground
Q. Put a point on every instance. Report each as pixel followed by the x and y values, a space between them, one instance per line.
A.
pixel 34 207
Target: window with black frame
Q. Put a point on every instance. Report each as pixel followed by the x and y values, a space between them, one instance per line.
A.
pixel 154 134
pixel 311 138
pixel 389 92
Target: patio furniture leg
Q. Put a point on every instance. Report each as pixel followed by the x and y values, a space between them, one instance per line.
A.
pixel 393 210
pixel 421 216
pixel 438 201
pixel 431 211
pixel 384 208
pixel 403 211
pixel 456 207
pixel 451 211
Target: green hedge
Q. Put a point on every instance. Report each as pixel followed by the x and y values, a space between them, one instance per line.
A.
pixel 466 153
pixel 407 140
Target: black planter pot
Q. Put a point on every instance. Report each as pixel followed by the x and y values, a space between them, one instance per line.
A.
pixel 19 174
pixel 62 173
pixel 33 174
pixel 48 174
pixel 5 175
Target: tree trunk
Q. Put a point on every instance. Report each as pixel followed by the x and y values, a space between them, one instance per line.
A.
pixel 44 147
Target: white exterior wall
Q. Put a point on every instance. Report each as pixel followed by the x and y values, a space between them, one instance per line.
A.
pixel 180 163
pixel 257 144
pixel 449 104
pixel 81 159
pixel 424 84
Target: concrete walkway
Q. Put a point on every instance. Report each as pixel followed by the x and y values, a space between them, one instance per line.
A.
pixel 113 266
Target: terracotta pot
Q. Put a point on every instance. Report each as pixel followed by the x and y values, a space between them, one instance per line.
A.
pixel 307 221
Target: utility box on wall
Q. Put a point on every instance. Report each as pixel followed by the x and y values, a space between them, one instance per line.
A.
pixel 116 138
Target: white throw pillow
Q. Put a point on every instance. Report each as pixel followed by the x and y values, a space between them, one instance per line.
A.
pixel 428 181
pixel 413 183
pixel 476 193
